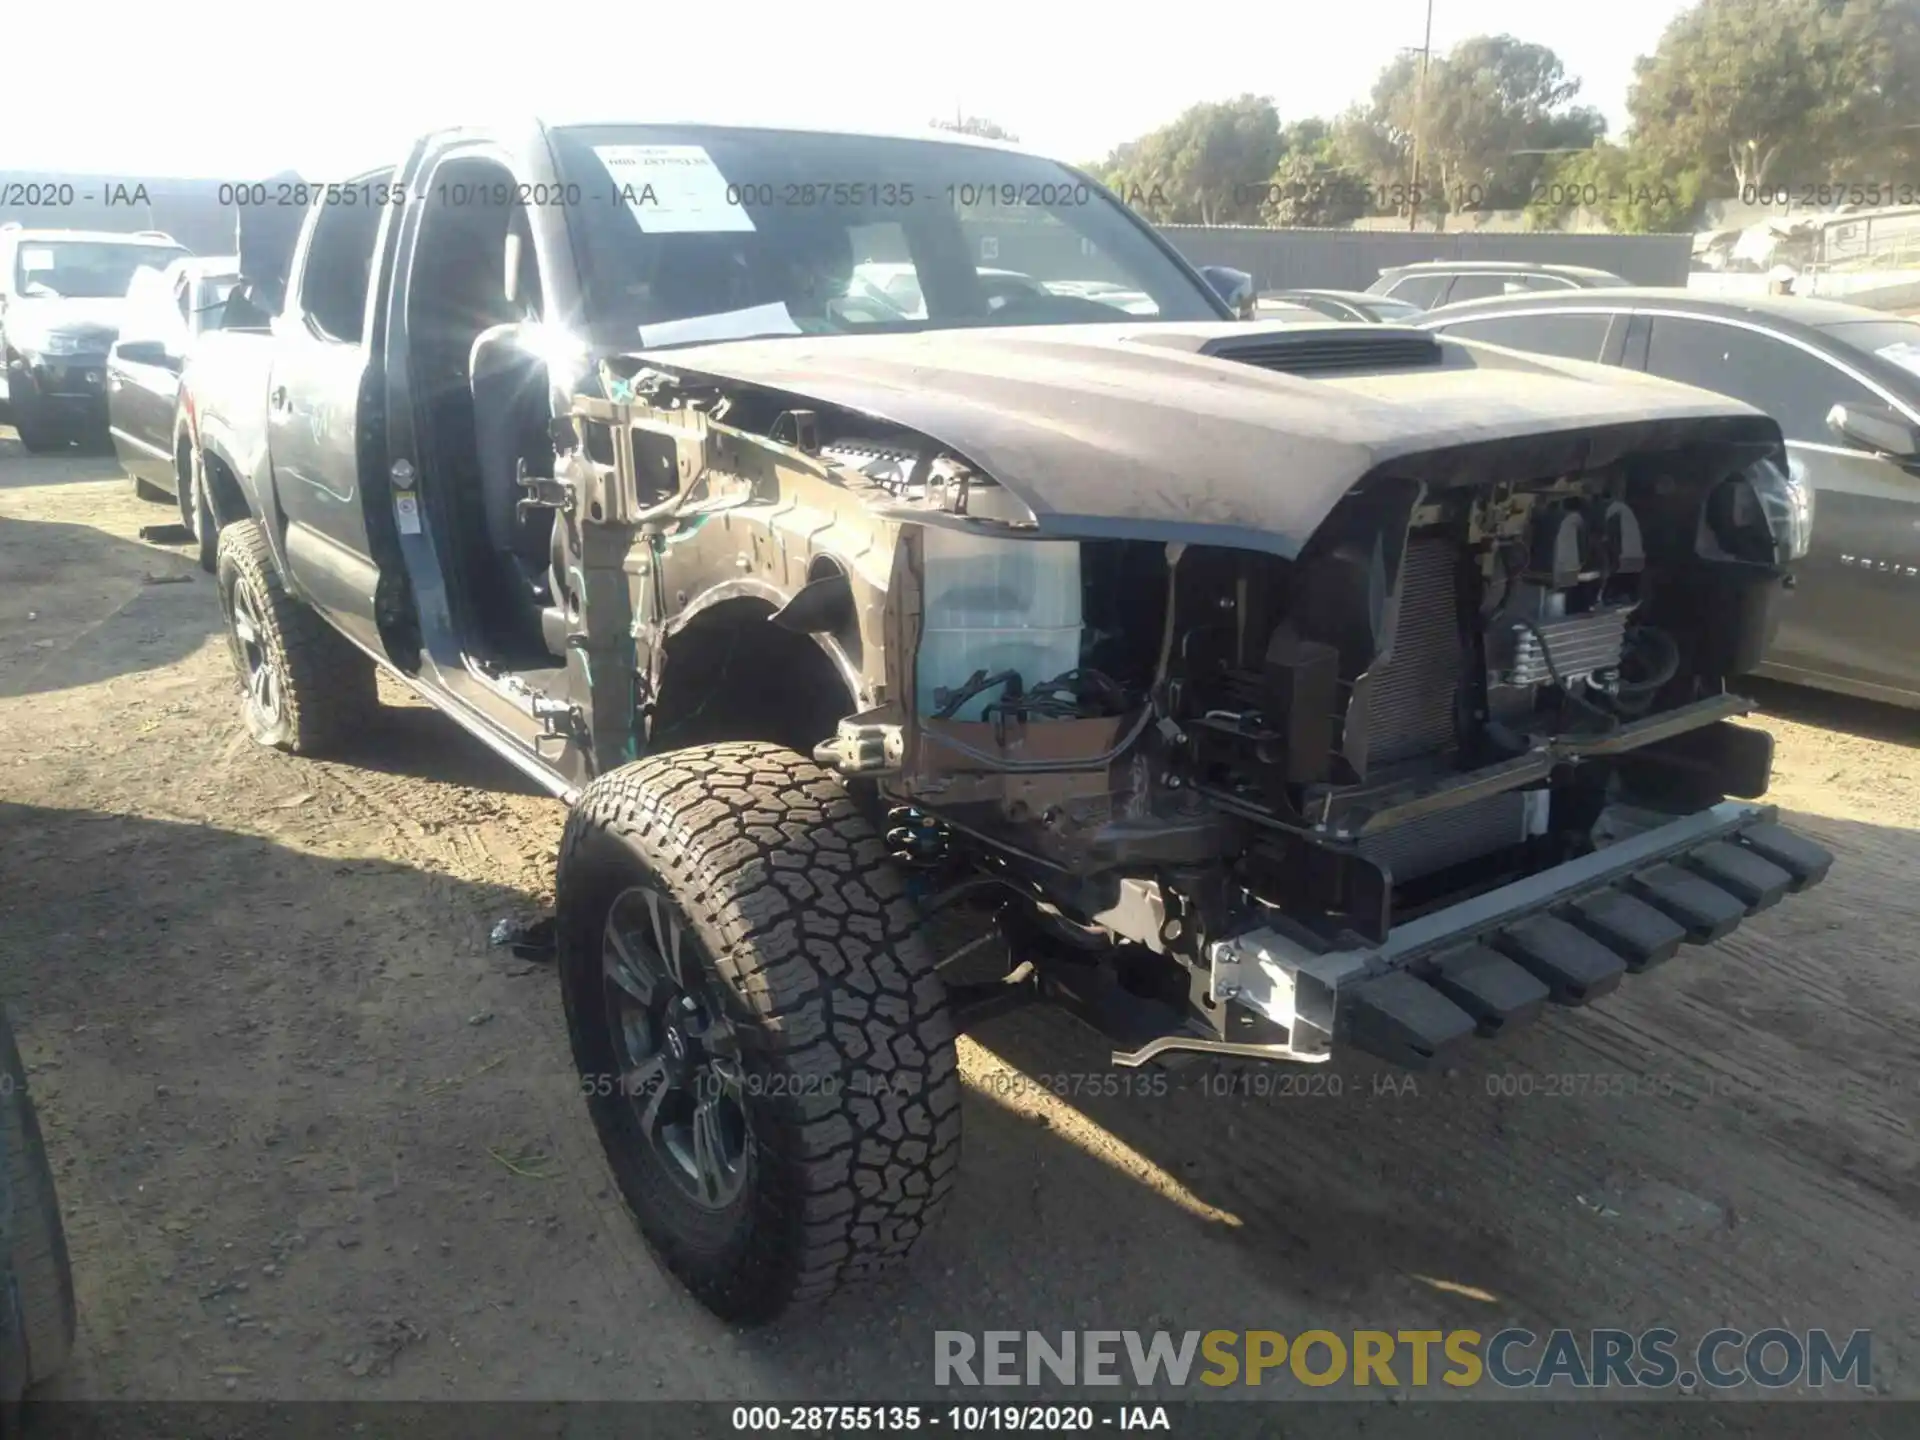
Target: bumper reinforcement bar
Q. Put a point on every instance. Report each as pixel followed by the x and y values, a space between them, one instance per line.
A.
pixel 1566 936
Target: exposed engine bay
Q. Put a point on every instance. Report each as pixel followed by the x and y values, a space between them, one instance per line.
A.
pixel 1484 662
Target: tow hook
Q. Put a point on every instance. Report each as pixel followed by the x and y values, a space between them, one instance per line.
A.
pixel 862 748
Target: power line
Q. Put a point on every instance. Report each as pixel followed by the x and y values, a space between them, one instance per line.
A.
pixel 1419 121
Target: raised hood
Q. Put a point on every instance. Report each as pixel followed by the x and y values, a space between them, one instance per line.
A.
pixel 1135 430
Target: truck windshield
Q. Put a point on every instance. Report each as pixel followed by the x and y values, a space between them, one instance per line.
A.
pixel 84 269
pixel 698 233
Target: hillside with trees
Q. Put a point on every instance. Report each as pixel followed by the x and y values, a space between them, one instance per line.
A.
pixel 1741 99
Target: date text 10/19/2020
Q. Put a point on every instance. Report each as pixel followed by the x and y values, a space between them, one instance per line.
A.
pixel 961 1419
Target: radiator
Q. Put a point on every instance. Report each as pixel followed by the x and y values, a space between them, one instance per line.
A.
pixel 1467 832
pixel 1411 706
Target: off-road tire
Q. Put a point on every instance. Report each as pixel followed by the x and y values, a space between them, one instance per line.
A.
pixel 327 689
pixel 196 513
pixel 38 433
pixel 810 940
pixel 36 1240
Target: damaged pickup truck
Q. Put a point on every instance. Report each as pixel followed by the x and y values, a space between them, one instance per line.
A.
pixel 1252 691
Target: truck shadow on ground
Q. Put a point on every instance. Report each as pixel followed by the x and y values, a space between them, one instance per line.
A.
pixel 79 606
pixel 409 737
pixel 235 1039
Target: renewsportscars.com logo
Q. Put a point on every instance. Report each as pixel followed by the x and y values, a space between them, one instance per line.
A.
pixel 1512 1359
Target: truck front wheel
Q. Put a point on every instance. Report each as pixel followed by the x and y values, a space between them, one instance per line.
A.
pixel 38 431
pixel 308 689
pixel 764 1044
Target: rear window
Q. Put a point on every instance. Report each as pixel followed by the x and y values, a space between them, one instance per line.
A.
pixel 1421 290
pixel 1486 285
pixel 1573 337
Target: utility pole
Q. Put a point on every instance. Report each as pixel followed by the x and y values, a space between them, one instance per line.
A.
pixel 1419 120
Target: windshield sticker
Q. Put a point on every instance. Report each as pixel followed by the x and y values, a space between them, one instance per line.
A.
pixel 36 259
pixel 772 319
pixel 1905 354
pixel 672 189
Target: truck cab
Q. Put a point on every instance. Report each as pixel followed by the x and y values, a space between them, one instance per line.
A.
pixel 388 366
pixel 384 394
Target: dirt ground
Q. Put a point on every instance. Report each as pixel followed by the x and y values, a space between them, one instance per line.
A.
pixel 315 1137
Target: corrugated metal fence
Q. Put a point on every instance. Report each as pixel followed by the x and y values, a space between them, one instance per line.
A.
pixel 1353 259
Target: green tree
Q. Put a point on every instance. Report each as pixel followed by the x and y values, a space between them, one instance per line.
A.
pixel 1631 190
pixel 1209 166
pixel 1732 86
pixel 1496 110
pixel 1488 119
pixel 1868 119
pixel 1792 93
pixel 1308 191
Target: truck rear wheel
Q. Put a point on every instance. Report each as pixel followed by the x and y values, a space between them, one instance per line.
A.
pixel 196 512
pixel 308 688
pixel 35 1241
pixel 764 1044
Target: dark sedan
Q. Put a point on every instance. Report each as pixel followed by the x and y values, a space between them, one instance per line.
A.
pixel 1844 385
pixel 166 311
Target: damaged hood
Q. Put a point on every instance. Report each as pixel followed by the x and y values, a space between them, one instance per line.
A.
pixel 1134 431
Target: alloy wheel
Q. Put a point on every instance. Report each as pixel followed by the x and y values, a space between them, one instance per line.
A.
pixel 261 678
pixel 678 1055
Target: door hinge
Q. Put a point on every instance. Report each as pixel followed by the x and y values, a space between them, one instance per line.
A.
pixel 561 722
pixel 542 492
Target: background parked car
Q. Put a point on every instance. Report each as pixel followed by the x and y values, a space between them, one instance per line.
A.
pixel 166 311
pixel 897 283
pixel 62 294
pixel 1353 305
pixel 1289 312
pixel 36 1281
pixel 1432 283
pixel 1844 384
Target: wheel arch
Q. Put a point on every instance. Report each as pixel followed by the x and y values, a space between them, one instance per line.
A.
pixel 725 670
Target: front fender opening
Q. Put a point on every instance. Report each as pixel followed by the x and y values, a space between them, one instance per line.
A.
pixel 732 674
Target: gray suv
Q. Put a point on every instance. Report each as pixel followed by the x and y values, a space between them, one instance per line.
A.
pixel 62 297
pixel 1431 283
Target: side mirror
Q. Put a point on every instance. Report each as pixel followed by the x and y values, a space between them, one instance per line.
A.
pixel 1233 286
pixel 145 352
pixel 1878 428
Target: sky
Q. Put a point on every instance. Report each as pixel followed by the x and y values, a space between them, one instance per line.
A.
pixel 238 90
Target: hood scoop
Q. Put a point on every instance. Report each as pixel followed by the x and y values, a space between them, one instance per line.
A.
pixel 1323 350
